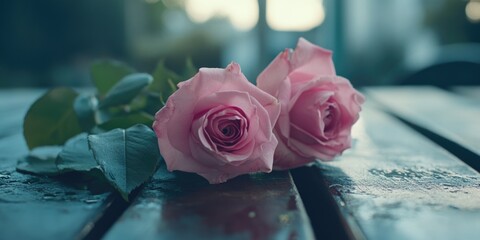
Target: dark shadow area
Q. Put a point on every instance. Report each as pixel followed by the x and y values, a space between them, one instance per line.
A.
pixel 321 208
pixel 445 75
pixel 114 207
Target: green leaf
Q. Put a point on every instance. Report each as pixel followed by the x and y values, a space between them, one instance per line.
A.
pixel 51 120
pixel 40 161
pixel 103 115
pixel 128 121
pixel 154 103
pixel 128 158
pixel 164 81
pixel 190 69
pixel 97 130
pixel 85 106
pixel 139 103
pixel 106 73
pixel 76 156
pixel 126 90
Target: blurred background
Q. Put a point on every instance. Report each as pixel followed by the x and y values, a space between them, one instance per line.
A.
pixel 375 42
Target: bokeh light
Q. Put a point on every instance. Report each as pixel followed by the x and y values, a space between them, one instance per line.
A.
pixel 299 15
pixel 243 14
pixel 472 10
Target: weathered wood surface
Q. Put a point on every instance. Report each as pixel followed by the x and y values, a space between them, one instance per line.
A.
pixel 37 207
pixel 396 184
pixel 172 205
pixel 185 206
pixel 448 115
pixel 393 184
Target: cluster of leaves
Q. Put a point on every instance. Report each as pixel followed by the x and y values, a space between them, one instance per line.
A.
pixel 106 130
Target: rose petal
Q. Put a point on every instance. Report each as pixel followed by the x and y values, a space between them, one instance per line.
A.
pixel 212 80
pixel 318 108
pixel 238 99
pixel 177 120
pixel 189 127
pixel 175 158
pixel 309 60
pixel 315 151
pixel 271 79
pixel 241 100
pixel 306 111
pixel 285 158
pixel 274 80
pixel 349 97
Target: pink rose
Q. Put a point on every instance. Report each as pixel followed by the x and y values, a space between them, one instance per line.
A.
pixel 218 125
pixel 318 107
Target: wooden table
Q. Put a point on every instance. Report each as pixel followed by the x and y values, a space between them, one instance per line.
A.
pixel 412 173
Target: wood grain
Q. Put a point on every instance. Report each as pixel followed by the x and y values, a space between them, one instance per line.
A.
pixel 396 184
pixel 393 184
pixel 452 117
pixel 38 207
pixel 185 206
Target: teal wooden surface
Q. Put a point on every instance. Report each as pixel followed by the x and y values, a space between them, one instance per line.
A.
pixel 451 116
pixel 396 184
pixel 185 206
pixel 38 207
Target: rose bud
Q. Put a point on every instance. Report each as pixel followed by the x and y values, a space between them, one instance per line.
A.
pixel 318 108
pixel 218 125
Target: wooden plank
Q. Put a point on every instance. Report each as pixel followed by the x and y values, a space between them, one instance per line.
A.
pixel 396 184
pixel 185 206
pixel 38 207
pixel 450 116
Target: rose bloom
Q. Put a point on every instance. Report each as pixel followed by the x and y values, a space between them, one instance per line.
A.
pixel 318 107
pixel 218 125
